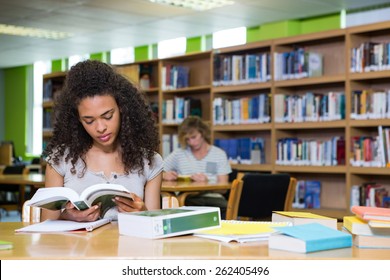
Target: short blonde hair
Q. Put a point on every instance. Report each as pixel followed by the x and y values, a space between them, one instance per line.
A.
pixel 190 124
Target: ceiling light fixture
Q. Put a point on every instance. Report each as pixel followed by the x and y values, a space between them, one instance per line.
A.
pixel 199 5
pixel 33 32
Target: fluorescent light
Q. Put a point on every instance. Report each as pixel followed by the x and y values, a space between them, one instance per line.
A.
pixel 33 32
pixel 199 5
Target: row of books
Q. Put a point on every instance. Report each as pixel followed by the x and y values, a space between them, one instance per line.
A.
pixel 307 194
pixel 50 88
pixel 366 151
pixel 296 151
pixel 175 110
pixel 309 107
pixel 370 104
pixel 170 142
pixel 370 56
pixel 297 64
pixel 256 109
pixel 369 227
pixel 246 150
pixel 241 69
pixel 48 119
pixel 370 194
pixel 174 76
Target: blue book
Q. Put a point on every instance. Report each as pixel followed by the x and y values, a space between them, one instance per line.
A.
pixel 309 238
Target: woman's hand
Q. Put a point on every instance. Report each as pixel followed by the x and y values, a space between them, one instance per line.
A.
pixel 199 177
pixel 130 205
pixel 73 214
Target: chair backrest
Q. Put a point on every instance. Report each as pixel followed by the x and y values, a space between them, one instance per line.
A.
pixel 30 214
pixel 15 169
pixel 234 199
pixel 264 193
pixel 290 194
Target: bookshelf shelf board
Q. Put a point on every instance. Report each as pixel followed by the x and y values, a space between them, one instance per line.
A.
pixel 243 127
pixel 311 125
pixel 47 133
pixel 311 81
pixel 369 123
pixel 47 104
pixel 370 170
pixel 194 89
pixel 311 169
pixel 372 75
pixel 242 87
pixel 252 167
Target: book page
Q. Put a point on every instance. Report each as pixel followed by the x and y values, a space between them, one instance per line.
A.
pixel 62 226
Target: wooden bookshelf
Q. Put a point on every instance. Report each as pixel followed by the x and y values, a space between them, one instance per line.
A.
pixel 52 84
pixel 335 47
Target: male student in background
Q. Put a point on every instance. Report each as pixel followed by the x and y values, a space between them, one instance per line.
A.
pixel 199 159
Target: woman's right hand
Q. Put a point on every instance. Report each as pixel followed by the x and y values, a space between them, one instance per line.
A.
pixel 73 214
pixel 170 176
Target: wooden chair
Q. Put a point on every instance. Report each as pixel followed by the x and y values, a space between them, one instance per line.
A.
pixel 12 196
pixel 168 201
pixel 263 193
pixel 30 214
pixel 234 199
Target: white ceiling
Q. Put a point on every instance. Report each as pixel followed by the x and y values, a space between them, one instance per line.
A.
pixel 102 25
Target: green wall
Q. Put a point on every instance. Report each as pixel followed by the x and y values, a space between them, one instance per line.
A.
pixel 15 103
pixel 2 113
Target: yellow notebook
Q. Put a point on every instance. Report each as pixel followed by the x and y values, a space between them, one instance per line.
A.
pixel 241 231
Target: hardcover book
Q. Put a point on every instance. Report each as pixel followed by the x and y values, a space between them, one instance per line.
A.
pixel 300 218
pixel 358 226
pixel 168 222
pixel 371 241
pixel 371 213
pixel 55 198
pixel 309 238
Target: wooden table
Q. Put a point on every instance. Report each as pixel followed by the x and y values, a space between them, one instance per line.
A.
pixel 106 243
pixel 35 180
pixel 181 189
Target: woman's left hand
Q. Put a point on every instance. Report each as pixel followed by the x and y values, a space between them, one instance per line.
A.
pixel 130 205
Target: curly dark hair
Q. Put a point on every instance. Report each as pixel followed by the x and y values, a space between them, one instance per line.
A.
pixel 138 135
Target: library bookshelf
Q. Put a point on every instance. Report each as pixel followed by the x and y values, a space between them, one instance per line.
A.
pixel 207 81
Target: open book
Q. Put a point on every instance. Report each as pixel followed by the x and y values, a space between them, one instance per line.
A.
pixel 55 198
pixel 242 231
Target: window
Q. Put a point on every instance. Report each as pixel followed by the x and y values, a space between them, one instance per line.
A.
pixel 34 108
pixel 171 47
pixel 122 55
pixel 229 37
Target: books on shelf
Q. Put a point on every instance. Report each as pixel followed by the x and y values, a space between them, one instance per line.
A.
pixel 6 245
pixel 371 213
pixel 358 226
pixel 63 226
pixel 168 222
pixel 308 238
pixel 55 198
pixel 300 218
pixel 241 231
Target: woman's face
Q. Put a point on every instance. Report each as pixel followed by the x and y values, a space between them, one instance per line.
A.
pixel 100 117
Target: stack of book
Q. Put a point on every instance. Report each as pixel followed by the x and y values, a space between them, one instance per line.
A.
pixel 370 227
